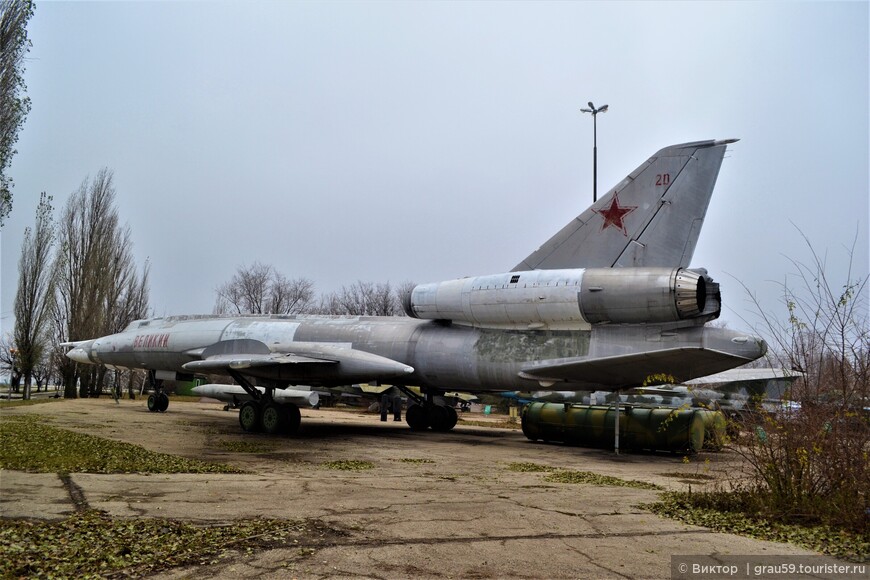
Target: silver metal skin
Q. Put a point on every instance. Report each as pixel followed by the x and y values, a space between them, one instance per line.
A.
pixel 434 354
pixel 568 298
pixel 567 320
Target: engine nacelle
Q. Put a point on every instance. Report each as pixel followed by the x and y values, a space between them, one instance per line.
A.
pixel 568 298
pixel 638 295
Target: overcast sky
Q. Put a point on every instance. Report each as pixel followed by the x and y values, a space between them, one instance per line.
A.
pixel 429 141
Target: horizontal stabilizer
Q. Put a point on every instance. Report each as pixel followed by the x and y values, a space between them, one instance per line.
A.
pixel 75 343
pixel 631 370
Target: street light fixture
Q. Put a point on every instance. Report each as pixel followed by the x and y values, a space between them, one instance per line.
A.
pixel 594 112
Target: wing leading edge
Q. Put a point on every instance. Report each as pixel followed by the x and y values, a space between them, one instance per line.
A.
pixel 309 363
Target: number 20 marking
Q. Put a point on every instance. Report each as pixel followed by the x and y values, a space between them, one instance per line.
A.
pixel 663 179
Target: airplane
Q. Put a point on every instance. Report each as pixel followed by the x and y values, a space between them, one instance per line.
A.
pixel 604 303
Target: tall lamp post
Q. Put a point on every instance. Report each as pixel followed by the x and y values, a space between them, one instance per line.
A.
pixel 594 112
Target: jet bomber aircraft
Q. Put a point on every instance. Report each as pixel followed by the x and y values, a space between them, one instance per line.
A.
pixel 606 302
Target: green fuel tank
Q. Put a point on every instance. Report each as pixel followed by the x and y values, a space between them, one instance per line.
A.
pixel 640 428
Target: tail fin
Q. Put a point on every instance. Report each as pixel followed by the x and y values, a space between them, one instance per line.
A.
pixel 651 218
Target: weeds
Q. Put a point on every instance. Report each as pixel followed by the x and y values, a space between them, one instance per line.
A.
pixel 348 465
pixel 745 513
pixel 26 444
pixel 529 467
pixel 589 478
pixel 808 472
pixel 90 544
pixel 246 446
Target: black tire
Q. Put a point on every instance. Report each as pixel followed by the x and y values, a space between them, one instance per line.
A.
pixel 249 417
pixel 416 418
pixel 152 403
pixel 453 418
pixel 274 419
pixel 292 418
pixel 162 402
pixel 439 418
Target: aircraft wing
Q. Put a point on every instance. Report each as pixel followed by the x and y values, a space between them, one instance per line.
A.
pixel 631 369
pixel 747 375
pixel 297 363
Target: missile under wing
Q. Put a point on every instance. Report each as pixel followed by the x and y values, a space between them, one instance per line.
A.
pixel 235 395
pixel 568 328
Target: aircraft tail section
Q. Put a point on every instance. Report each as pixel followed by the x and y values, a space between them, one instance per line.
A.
pixel 651 218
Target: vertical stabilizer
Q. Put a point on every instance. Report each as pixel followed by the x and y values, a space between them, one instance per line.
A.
pixel 651 218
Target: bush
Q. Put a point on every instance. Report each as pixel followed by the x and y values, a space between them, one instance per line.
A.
pixel 811 463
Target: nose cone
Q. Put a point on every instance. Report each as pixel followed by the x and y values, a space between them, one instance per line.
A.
pixel 81 353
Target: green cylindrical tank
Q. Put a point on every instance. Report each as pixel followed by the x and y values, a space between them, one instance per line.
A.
pixel 652 428
pixel 665 429
pixel 585 425
pixel 715 429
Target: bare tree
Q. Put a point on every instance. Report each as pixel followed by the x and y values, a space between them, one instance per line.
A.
pixel 826 335
pixel 363 299
pixel 810 463
pixel 260 289
pixel 42 371
pixel 98 290
pixel 288 296
pixel 9 362
pixel 14 104
pixel 35 296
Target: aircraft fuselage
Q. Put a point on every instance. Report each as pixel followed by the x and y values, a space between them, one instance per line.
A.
pixel 443 356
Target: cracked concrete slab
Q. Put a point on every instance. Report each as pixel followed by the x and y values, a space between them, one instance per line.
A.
pixel 33 495
pixel 453 509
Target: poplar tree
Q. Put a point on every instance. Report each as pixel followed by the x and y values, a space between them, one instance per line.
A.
pixel 35 295
pixel 99 291
pixel 14 104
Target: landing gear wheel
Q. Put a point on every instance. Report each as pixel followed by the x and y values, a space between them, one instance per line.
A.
pixel 162 402
pixel 439 418
pixel 416 418
pixel 249 416
pixel 452 418
pixel 292 418
pixel 274 418
pixel 152 403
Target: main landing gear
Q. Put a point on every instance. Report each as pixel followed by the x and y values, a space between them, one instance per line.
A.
pixel 263 413
pixel 158 401
pixel 270 417
pixel 425 413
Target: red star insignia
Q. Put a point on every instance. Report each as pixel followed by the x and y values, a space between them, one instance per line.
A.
pixel 615 214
